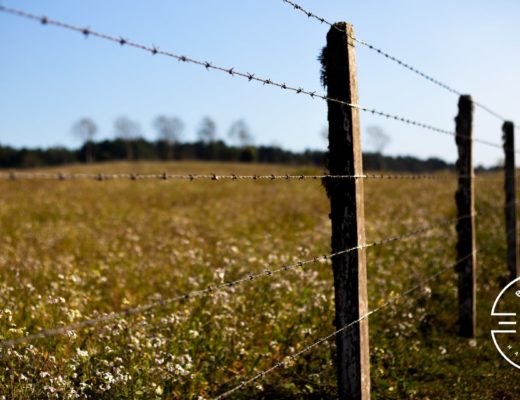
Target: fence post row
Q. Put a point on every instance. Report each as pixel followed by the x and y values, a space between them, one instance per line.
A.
pixel 347 214
pixel 464 198
pixel 510 204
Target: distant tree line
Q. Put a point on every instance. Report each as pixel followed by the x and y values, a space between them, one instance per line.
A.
pixel 129 144
pixel 141 149
pixel 169 130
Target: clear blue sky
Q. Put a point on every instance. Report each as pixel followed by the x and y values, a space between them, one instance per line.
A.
pixel 51 77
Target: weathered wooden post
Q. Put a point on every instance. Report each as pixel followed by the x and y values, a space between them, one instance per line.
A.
pixel 347 213
pixel 464 198
pixel 510 206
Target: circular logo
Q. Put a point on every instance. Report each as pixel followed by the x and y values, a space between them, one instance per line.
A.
pixel 505 308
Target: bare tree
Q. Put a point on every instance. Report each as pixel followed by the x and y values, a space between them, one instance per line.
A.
pixel 170 131
pixel 239 131
pixel 85 129
pixel 128 131
pixel 207 132
pixel 377 138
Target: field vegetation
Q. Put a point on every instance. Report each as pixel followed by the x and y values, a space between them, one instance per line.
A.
pixel 72 250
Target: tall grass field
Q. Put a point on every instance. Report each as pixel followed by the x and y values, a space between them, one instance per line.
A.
pixel 80 249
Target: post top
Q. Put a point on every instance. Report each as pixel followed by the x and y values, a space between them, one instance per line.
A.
pixel 508 125
pixel 466 103
pixel 342 31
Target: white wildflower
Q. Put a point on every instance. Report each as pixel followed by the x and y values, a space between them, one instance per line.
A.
pixel 180 371
pixel 218 275
pixel 82 353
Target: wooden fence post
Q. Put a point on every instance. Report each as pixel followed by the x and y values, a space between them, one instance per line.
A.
pixel 510 205
pixel 466 225
pixel 347 214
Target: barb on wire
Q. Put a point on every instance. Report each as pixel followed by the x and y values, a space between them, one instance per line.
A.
pixel 166 176
pixel 103 177
pixel 215 287
pixel 213 177
pixel 403 64
pixel 294 356
pixel 231 71
pixel 308 13
pixel 386 303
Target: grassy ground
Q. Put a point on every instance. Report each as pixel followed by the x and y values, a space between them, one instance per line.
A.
pixel 75 250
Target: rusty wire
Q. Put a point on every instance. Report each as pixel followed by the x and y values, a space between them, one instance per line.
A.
pixel 154 50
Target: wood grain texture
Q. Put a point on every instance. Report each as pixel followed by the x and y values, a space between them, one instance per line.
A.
pixel 347 214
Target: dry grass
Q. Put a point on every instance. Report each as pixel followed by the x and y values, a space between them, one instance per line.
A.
pixel 73 250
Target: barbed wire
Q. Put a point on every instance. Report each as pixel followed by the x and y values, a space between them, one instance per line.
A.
pixel 294 356
pixel 405 65
pixel 291 358
pixel 490 111
pixel 440 237
pixel 60 176
pixel 230 71
pixel 213 177
pixel 212 288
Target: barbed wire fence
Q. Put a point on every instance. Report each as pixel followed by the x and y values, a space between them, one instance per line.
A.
pixel 342 178
pixel 390 301
pixel 153 50
pixel 392 58
pixel 60 176
pixel 216 287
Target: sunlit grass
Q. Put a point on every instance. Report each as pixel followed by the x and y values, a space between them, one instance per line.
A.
pixel 71 250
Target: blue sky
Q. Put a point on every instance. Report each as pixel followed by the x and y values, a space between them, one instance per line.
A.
pixel 50 77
